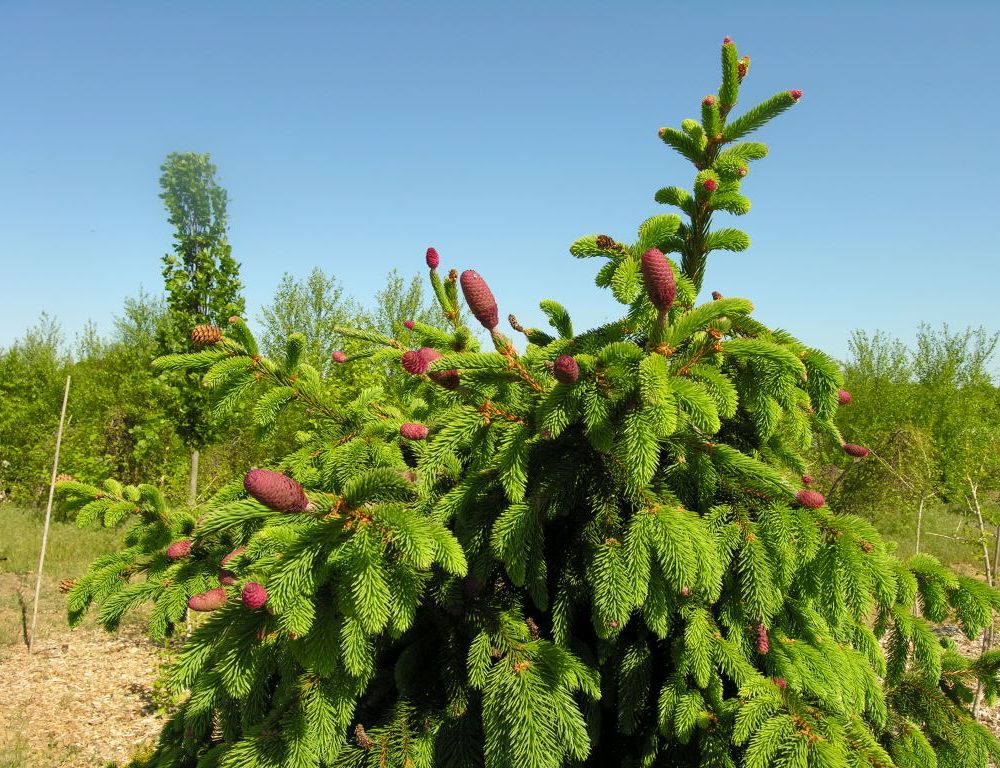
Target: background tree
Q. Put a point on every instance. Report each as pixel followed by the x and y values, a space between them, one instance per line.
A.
pixel 202 284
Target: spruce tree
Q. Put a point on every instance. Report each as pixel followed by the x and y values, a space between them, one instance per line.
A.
pixel 600 551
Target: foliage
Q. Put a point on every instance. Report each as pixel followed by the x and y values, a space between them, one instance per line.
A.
pixel 931 415
pixel 619 567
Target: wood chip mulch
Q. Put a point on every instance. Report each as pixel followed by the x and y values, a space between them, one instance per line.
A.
pixel 83 698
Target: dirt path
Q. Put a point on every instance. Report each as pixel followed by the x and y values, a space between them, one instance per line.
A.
pixel 84 698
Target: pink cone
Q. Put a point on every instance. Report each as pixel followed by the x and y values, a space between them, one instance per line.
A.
pixel 338 357
pixel 179 549
pixel 811 499
pixel 857 451
pixel 254 595
pixel 208 601
pixel 275 490
pixel 432 258
pixel 413 431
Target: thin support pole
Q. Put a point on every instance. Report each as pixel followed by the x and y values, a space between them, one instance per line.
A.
pixel 48 517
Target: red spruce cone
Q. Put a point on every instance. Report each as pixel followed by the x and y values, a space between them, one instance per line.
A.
pixel 811 499
pixel 658 277
pixel 432 258
pixel 844 397
pixel 338 357
pixel 413 431
pixel 413 362
pixel 226 577
pixel 417 361
pixel 480 299
pixel 565 369
pixel 448 379
pixel 795 94
pixel 781 682
pixel 203 335
pixel 254 595
pixel 727 40
pixel 763 643
pixel 275 490
pixel 807 479
pixel 743 67
pixel 179 549
pixel 409 325
pixel 858 451
pixel 208 601
pixel 708 101
pixel 232 556
pixel 710 185
pixel 65 585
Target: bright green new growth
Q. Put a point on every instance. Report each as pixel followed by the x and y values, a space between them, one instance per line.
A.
pixel 610 572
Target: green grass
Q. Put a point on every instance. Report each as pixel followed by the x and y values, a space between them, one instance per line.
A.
pixel 68 553
pixel 949 534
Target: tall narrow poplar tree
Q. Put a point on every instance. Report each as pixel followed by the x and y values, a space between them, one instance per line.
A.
pixel 202 283
pixel 599 552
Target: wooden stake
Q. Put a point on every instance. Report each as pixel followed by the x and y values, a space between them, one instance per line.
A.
pixel 48 517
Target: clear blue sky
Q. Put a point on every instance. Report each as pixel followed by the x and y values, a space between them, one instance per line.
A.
pixel 353 135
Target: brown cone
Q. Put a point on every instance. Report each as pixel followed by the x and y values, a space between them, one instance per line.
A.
pixel 204 335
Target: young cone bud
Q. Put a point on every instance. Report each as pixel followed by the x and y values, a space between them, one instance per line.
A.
pixel 208 601
pixel 227 577
pixel 62 477
pixel 565 369
pixel 843 396
pixel 203 335
pixel 811 499
pixel 432 258
pixel 65 585
pixel 179 549
pixel 763 643
pixel 254 595
pixel 710 185
pixel 413 431
pixel 362 738
pixel 480 299
pixel 857 451
pixel 807 479
pixel 781 682
pixel 409 325
pixel 795 94
pixel 338 357
pixel 275 490
pixel 716 295
pixel 658 277
pixel 744 67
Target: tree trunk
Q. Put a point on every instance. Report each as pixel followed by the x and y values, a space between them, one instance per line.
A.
pixel 193 479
